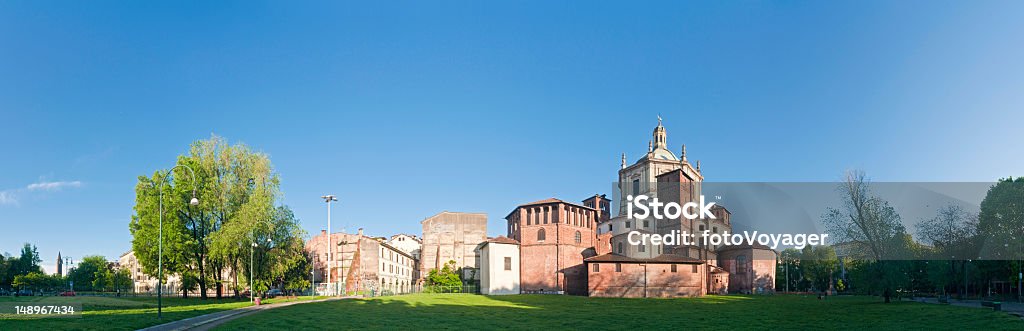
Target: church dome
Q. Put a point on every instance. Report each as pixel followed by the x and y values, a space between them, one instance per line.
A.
pixel 664 154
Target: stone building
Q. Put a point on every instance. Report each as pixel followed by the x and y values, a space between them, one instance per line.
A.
pixel 361 262
pixel 408 243
pixel 665 276
pixel 554 236
pixel 499 266
pixel 397 268
pixel 751 268
pixel 624 270
pixel 451 236
pixel 343 270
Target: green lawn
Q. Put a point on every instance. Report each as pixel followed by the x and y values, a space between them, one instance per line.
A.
pixel 108 313
pixel 551 312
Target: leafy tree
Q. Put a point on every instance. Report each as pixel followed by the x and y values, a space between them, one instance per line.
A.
pixel 447 276
pixel 1001 220
pixel 37 281
pixel 952 233
pixel 788 269
pixel 100 280
pixel 85 273
pixel 6 274
pixel 237 190
pixel 189 282
pixel 121 280
pixel 874 232
pixel 28 262
pixel 819 263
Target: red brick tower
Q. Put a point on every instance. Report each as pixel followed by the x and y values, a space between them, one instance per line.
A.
pixel 555 236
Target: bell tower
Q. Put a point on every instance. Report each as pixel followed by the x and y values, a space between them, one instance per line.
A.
pixel 659 136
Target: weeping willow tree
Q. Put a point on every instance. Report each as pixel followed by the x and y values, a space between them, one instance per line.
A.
pixel 239 204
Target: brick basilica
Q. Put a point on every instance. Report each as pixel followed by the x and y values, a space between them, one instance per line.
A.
pixel 581 249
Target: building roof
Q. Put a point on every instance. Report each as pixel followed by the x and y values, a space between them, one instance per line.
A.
pixel 745 246
pixel 547 201
pixel 453 212
pixel 414 237
pixel 502 240
pixel 663 258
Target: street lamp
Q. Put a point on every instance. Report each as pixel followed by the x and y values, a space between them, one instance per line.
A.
pixel 69 261
pixel 160 263
pixel 328 199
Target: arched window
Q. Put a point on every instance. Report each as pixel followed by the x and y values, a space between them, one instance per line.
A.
pixel 540 235
pixel 620 248
pixel 579 237
pixel 741 264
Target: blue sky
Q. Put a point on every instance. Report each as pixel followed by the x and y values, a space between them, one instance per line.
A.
pixel 405 109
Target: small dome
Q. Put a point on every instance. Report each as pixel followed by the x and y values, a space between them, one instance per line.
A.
pixel 664 154
pixel 660 154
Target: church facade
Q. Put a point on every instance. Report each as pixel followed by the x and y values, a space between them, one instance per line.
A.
pixel 582 249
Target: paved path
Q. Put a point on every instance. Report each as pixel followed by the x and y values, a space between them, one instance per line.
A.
pixel 1014 308
pixel 208 321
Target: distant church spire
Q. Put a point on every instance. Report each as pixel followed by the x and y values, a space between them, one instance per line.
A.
pixel 623 160
pixel 60 265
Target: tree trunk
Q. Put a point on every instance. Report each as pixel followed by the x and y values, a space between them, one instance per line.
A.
pixel 202 278
pixel 234 274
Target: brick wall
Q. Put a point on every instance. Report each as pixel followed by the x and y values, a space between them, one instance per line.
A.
pixel 645 280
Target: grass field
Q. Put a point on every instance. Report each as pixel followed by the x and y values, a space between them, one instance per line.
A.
pixel 551 312
pixel 109 313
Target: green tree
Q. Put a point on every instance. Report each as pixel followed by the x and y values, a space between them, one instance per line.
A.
pixel 952 233
pixel 788 269
pixel 237 190
pixel 189 282
pixel 1001 220
pixel 37 281
pixel 873 230
pixel 100 280
pixel 84 273
pixel 121 280
pixel 447 276
pixel 28 262
pixel 820 264
pixel 6 274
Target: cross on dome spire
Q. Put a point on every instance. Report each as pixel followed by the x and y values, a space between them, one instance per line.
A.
pixel 660 140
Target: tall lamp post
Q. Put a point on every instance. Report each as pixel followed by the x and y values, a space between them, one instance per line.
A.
pixel 160 263
pixel 69 261
pixel 330 256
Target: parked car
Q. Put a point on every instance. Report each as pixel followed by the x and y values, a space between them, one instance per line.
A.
pixel 4 292
pixel 274 293
pixel 24 293
pixel 67 293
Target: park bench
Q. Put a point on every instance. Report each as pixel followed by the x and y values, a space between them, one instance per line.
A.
pixel 996 305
